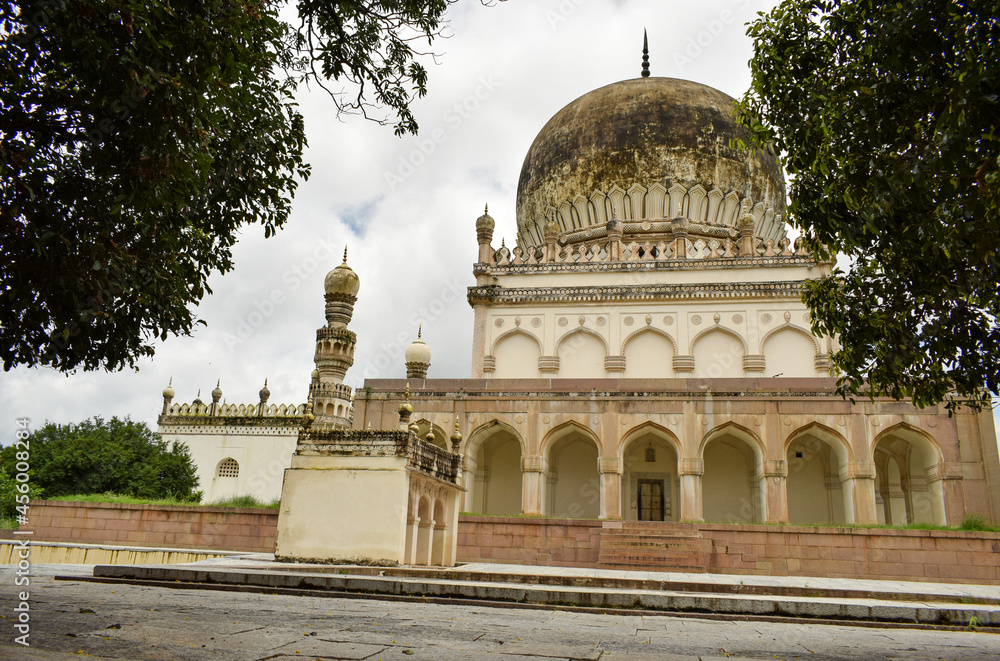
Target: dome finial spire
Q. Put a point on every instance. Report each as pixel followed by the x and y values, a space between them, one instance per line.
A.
pixel 645 55
pixel 420 329
pixel 345 254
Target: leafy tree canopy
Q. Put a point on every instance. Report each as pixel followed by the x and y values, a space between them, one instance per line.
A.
pixel 137 137
pixel 94 456
pixel 887 116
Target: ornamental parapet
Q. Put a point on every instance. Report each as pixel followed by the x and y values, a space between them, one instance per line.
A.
pixel 492 294
pixel 421 456
pixel 228 411
pixel 338 390
pixel 342 334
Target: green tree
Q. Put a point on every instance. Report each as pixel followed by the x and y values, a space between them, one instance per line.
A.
pixel 138 137
pixel 886 117
pixel 94 456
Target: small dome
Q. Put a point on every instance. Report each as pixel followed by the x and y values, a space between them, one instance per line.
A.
pixel 168 392
pixel 485 222
pixel 342 280
pixel 315 374
pixel 217 392
pixel 264 392
pixel 418 352
pixel 552 227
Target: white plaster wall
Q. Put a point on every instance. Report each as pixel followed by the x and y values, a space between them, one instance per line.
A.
pixel 808 498
pixel 262 453
pixel 649 355
pixel 516 358
pixel 576 489
pixel 498 483
pixel 726 490
pixel 718 354
pixel 581 355
pixel 789 353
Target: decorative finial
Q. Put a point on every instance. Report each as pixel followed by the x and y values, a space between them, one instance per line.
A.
pixel 170 383
pixel 487 210
pixel 199 393
pixel 218 382
pixel 345 254
pixel 503 243
pixel 265 381
pixel 407 395
pixel 420 329
pixel 645 55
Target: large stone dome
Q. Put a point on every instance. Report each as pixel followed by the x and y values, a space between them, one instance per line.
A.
pixel 646 149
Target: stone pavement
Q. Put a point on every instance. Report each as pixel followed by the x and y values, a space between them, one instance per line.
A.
pixel 759 596
pixel 73 618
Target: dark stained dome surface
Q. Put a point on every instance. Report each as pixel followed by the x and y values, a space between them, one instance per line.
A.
pixel 642 132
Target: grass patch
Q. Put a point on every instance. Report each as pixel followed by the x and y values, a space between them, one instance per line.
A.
pixel 235 501
pixel 8 524
pixel 245 501
pixel 118 498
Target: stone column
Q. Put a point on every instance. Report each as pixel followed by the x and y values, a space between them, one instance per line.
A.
pixel 944 481
pixel 611 488
pixel 425 543
pixel 692 508
pixel 858 478
pixel 532 485
pixel 776 490
pixel 412 536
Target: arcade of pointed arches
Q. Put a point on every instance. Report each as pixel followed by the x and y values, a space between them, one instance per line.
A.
pixel 727 478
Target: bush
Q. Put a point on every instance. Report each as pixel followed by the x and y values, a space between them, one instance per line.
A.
pixel 117 456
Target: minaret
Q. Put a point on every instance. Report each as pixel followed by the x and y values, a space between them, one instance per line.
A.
pixel 332 399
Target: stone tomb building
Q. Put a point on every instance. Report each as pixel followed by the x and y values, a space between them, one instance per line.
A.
pixel 643 352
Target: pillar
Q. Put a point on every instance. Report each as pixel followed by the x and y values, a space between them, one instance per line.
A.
pixel 412 535
pixel 859 491
pixel 611 488
pixel 532 485
pixel 425 542
pixel 776 491
pixel 692 505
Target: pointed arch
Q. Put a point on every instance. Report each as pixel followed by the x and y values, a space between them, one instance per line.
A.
pixel 644 428
pixel 586 331
pixel 788 326
pixel 830 436
pixel 484 431
pixel 737 430
pixel 565 429
pixel 649 329
pixel 914 433
pixel 515 331
pixel 717 328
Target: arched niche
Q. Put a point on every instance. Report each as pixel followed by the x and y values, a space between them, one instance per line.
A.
pixel 650 484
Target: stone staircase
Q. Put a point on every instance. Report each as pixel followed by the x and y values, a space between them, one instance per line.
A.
pixel 653 545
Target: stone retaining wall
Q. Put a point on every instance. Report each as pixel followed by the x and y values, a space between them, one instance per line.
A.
pixel 529 541
pixel 920 555
pixel 216 528
pixel 914 555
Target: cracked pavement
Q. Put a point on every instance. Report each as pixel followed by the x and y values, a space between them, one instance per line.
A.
pixel 116 621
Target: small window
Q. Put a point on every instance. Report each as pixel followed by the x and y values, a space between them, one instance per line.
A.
pixel 228 468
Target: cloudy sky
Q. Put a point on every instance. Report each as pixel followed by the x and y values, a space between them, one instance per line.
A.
pixel 405 207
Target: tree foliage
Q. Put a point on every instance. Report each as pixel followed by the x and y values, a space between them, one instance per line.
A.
pixel 886 116
pixel 138 137
pixel 94 456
